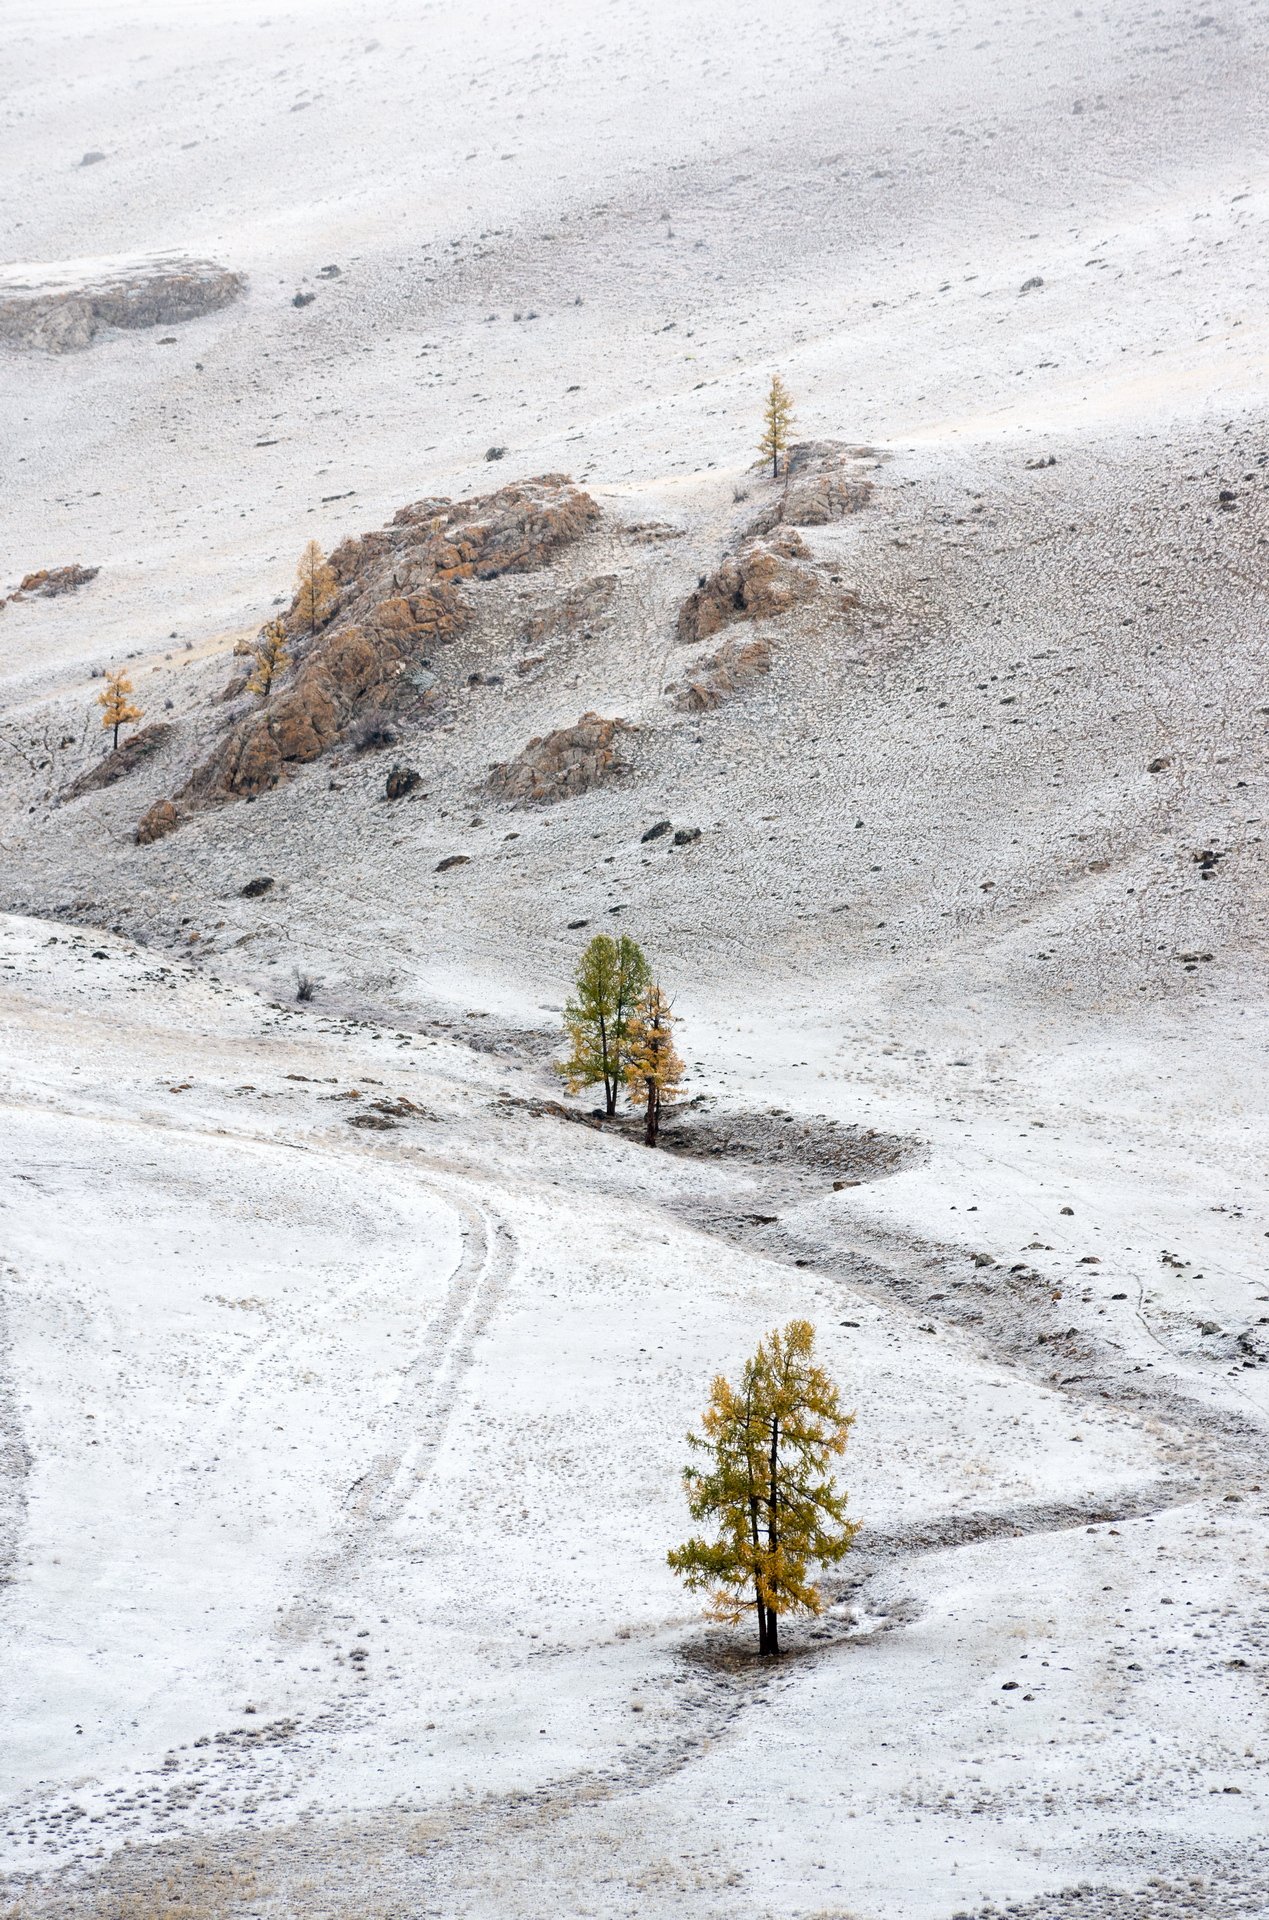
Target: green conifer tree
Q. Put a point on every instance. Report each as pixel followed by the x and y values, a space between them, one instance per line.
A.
pixel 612 978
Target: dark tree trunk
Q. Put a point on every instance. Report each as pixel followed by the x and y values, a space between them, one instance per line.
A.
pixel 773 1536
pixel 115 742
pixel 652 1118
pixel 610 1070
pixel 775 466
pixel 757 1585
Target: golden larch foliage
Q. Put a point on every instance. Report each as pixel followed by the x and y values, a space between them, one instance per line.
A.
pixel 316 589
pixel 777 420
pixel 612 977
pixel 271 658
pixel 767 1485
pixel 117 708
pixel 652 1070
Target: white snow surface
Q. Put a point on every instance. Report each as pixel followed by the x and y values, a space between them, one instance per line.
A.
pixel 338 1464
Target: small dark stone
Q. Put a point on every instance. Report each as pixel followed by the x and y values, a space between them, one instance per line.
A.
pixel 91 158
pixel 1029 286
pixel 573 925
pixel 401 780
pixel 303 299
pixel 495 453
pixel 254 888
pixel 1010 1686
pixel 329 273
pixel 1158 766
pixel 453 860
pixel 685 836
pixel 654 833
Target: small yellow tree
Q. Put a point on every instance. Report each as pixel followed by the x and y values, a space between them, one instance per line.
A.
pixel 651 1069
pixel 118 710
pixel 768 1486
pixel 316 588
pixel 271 659
pixel 777 419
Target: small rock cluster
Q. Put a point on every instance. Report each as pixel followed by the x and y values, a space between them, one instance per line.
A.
pixel 570 760
pixel 66 319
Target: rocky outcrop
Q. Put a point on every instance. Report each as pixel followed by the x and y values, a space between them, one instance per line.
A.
pixel 554 766
pixel 717 676
pixel 764 579
pixel 822 483
pixel 41 310
pixel 124 760
pixel 160 819
pixel 400 596
pixel 51 581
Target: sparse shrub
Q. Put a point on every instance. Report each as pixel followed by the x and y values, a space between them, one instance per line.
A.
pixel 271 659
pixel 306 987
pixel 373 731
pixel 739 493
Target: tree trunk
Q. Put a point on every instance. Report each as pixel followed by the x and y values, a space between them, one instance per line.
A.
pixel 653 1116
pixel 757 1584
pixel 610 1070
pixel 775 464
pixel 115 742
pixel 773 1535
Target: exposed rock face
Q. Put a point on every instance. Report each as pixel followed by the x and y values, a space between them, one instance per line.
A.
pixel 763 580
pixel 160 819
pixel 822 484
pixel 717 676
pixel 44 312
pixel 122 761
pixel 570 760
pixel 50 581
pixel 399 598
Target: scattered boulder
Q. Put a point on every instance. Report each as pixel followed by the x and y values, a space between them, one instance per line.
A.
pixel 160 819
pixel 51 581
pixel 55 315
pixel 570 760
pixel 92 157
pixel 255 888
pixel 124 759
pixel 401 780
pixel 685 836
pixel 765 579
pixel 655 833
pixel 1032 285
pixel 495 453
pixel 717 676
pixel 303 299
pixel 453 860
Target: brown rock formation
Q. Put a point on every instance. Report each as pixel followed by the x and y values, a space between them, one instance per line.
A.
pixel 399 598
pixel 160 819
pixel 716 677
pixel 50 581
pixel 58 318
pixel 763 580
pixel 822 483
pixel 570 760
pixel 124 760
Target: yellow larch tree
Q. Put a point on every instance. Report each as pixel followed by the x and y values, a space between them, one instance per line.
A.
pixel 271 658
pixel 316 589
pixel 777 419
pixel 117 708
pixel 652 1069
pixel 612 976
pixel 767 1486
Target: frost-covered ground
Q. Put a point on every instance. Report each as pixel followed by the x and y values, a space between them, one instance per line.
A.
pixel 340 1462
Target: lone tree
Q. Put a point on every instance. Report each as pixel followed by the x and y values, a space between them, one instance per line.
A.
pixel 777 418
pixel 271 658
pixel 117 709
pixel 653 1068
pixel 768 1486
pixel 316 588
pixel 611 979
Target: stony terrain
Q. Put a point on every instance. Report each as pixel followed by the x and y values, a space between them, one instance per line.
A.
pixel 344 1359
